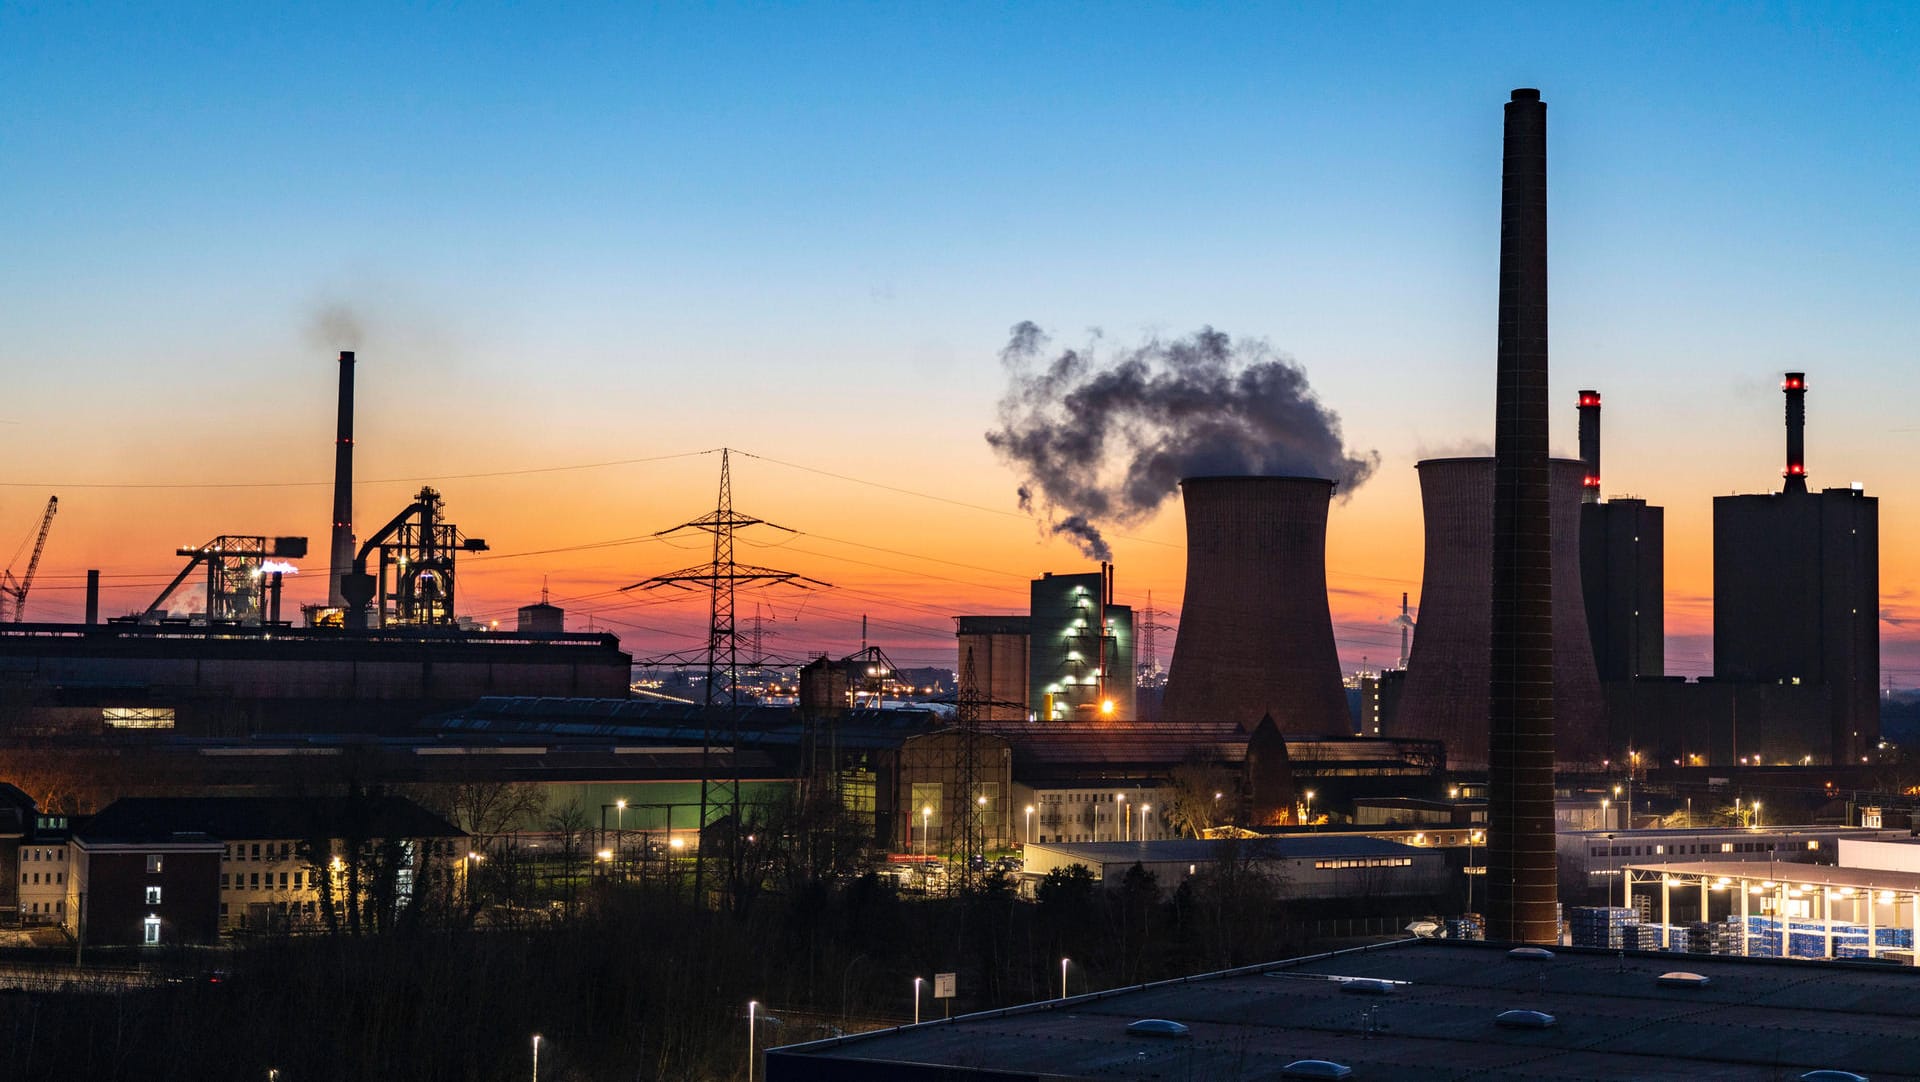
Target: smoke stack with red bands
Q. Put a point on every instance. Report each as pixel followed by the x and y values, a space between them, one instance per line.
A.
pixel 342 551
pixel 1795 387
pixel 1590 445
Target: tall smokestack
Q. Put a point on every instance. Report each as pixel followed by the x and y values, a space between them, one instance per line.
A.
pixel 1521 886
pixel 1256 632
pixel 1795 387
pixel 1590 445
pixel 342 554
pixel 93 597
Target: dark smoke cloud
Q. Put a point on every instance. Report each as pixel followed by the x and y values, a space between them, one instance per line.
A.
pixel 335 325
pixel 1105 440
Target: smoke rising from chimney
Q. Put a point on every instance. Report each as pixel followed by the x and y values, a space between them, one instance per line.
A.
pixel 1105 440
pixel 335 325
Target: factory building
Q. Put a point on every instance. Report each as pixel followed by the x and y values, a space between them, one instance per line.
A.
pixel 997 648
pixel 1069 659
pixel 132 678
pixel 1080 649
pixel 1796 592
pixel 1622 568
pixel 1256 631
pixel 1445 693
pixel 1326 866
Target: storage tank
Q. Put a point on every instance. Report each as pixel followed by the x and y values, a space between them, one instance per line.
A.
pixel 1256 635
pixel 1447 687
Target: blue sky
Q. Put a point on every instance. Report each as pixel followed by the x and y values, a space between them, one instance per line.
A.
pixel 564 227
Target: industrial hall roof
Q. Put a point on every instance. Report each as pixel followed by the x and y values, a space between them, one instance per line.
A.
pixel 1203 850
pixel 138 820
pixel 642 720
pixel 1614 1020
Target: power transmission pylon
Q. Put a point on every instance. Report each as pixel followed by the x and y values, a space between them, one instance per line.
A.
pixel 967 713
pixel 722 577
pixel 1146 661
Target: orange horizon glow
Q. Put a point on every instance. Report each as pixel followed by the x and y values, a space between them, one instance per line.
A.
pixel 906 554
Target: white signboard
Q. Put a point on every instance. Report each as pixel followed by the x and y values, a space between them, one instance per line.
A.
pixel 943 986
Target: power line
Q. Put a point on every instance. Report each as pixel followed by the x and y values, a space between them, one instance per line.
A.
pixel 169 485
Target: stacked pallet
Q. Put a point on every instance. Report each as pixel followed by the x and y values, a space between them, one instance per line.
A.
pixel 1598 925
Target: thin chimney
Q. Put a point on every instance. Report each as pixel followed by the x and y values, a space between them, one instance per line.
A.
pixel 342 550
pixel 1795 388
pixel 1590 445
pixel 1521 879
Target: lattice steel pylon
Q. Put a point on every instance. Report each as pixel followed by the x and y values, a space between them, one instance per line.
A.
pixel 967 714
pixel 722 577
pixel 1146 653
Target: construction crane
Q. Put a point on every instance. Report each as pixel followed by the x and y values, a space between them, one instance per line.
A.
pixel 14 591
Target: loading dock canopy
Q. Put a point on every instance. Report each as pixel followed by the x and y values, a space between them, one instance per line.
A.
pixel 1873 902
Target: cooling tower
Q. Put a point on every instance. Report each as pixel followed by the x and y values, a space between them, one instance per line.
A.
pixel 1256 635
pixel 1446 693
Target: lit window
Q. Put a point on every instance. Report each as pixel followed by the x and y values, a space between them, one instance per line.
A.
pixel 137 717
pixel 153 868
pixel 153 895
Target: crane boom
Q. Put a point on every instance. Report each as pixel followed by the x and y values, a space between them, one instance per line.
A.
pixel 33 563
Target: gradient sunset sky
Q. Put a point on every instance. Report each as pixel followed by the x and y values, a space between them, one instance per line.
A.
pixel 620 237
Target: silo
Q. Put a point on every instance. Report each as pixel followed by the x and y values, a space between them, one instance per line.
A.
pixel 1447 685
pixel 1256 635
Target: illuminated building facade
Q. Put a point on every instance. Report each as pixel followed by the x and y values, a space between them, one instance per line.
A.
pixel 1080 649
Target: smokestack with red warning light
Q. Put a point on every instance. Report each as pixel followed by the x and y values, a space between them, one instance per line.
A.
pixel 1795 387
pixel 1590 445
pixel 342 551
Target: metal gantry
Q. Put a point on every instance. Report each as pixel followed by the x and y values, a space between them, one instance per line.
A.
pixel 721 577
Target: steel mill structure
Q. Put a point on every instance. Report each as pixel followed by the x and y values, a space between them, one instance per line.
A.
pixel 1521 882
pixel 1446 695
pixel 1256 633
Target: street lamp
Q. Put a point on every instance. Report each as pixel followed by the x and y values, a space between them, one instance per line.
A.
pixel 1063 978
pixel 536 1057
pixel 1606 817
pixel 1309 807
pixel 752 1006
pixel 1029 824
pixel 1144 809
pixel 1120 814
pixel 926 824
pixel 1756 815
pixel 917 981
pixel 1633 764
pixel 1473 838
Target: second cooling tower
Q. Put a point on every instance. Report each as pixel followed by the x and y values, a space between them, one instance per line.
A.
pixel 1256 634
pixel 1446 692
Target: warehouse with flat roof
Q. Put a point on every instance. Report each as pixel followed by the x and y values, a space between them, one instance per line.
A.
pixel 1413 1010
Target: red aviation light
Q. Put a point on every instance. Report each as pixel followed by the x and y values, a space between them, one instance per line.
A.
pixel 1591 481
pixel 1793 384
pixel 1589 400
pixel 1795 470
